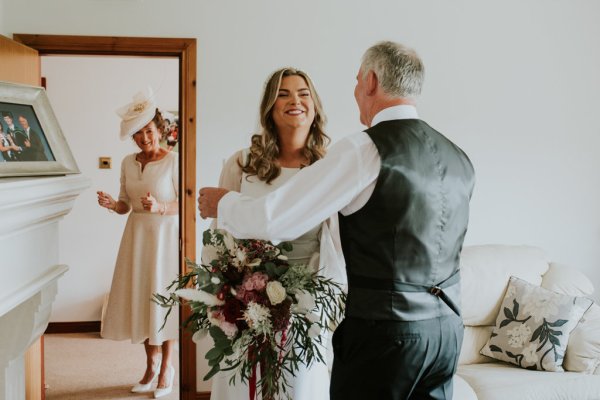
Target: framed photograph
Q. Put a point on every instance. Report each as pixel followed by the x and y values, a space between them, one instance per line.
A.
pixel 31 141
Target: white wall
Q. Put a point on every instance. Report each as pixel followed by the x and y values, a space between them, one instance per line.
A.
pixel 85 91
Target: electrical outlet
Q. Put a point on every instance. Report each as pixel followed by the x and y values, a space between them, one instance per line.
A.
pixel 105 162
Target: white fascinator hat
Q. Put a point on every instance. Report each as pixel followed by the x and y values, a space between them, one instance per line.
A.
pixel 135 115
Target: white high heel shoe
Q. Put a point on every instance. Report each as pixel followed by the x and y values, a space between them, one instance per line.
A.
pixel 146 387
pixel 160 392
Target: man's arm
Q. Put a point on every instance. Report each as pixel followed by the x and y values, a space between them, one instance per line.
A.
pixel 307 199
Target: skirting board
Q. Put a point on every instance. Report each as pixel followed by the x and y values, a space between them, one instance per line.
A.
pixel 73 327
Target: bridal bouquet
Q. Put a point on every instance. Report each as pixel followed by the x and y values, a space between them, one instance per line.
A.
pixel 260 310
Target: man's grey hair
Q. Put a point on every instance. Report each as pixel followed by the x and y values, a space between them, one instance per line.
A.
pixel 398 68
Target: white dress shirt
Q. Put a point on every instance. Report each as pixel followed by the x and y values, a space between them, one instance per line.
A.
pixel 342 181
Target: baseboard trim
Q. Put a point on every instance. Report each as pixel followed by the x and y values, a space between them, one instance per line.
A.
pixel 202 395
pixel 73 327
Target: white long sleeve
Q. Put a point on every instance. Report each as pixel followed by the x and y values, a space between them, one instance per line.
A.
pixel 342 181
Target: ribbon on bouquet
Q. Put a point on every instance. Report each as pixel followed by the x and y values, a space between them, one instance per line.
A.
pixel 251 355
pixel 252 380
pixel 252 383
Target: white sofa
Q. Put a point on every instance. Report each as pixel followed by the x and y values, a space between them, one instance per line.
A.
pixel 485 271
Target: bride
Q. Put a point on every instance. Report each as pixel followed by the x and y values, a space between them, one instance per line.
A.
pixel 291 137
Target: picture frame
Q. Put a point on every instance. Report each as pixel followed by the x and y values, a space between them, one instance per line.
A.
pixel 31 140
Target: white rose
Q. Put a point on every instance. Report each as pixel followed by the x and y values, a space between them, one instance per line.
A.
pixel 312 317
pixel 305 302
pixel 314 331
pixel 276 292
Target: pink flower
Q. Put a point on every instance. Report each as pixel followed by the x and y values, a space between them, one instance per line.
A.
pixel 229 328
pixel 256 281
pixel 218 319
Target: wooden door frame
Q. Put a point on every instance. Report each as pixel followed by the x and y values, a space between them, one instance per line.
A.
pixel 185 50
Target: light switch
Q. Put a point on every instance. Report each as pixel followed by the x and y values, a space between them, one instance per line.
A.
pixel 105 162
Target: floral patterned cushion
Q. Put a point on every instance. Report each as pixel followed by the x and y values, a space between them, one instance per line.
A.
pixel 533 326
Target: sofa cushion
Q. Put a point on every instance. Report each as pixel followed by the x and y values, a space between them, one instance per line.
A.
pixel 484 274
pixel 533 327
pixel 500 381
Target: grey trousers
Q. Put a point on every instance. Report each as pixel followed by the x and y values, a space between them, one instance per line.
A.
pixel 395 360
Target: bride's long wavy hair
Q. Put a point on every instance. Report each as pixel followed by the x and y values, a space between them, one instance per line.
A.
pixel 264 148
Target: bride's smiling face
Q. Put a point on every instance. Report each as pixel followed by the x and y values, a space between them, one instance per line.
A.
pixel 294 106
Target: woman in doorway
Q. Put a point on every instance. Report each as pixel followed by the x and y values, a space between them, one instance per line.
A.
pixel 148 256
pixel 292 136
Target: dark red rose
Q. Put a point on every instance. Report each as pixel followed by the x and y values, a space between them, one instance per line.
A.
pixel 281 314
pixel 233 310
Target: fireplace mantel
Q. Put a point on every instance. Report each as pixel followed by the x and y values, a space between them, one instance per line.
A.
pixel 30 209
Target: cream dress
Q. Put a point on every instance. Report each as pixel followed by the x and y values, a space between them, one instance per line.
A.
pixel 309 383
pixel 148 258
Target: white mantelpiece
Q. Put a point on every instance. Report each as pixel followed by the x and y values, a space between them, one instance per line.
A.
pixel 30 209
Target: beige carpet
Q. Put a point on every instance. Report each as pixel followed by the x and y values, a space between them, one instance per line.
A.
pixel 85 366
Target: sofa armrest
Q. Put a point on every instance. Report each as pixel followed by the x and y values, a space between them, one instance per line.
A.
pixel 583 349
pixel 567 280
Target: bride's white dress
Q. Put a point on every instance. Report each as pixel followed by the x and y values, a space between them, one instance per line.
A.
pixel 309 383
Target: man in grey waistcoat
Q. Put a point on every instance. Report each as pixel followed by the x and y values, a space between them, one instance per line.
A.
pixel 402 190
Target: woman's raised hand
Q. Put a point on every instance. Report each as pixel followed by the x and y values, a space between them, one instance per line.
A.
pixel 105 200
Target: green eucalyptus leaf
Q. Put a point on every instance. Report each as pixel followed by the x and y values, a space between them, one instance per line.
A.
pixel 217 333
pixel 213 353
pixel 206 237
pixel 212 372
pixel 215 361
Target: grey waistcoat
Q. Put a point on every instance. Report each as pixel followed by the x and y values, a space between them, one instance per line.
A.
pixel 408 236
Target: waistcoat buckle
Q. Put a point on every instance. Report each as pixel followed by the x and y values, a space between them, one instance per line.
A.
pixel 435 290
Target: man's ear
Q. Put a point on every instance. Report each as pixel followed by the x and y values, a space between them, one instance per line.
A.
pixel 372 83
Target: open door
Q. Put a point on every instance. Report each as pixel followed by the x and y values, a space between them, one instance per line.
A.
pixel 21 64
